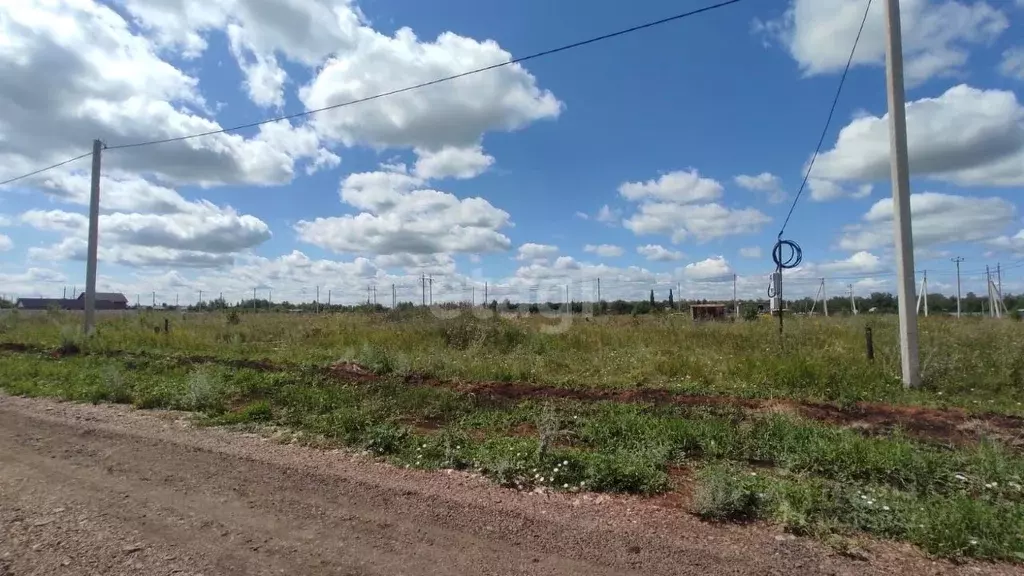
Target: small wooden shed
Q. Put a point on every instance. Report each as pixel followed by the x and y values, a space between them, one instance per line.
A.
pixel 707 311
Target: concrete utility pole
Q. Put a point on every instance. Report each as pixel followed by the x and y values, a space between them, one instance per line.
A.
pixel 423 289
pixel 735 302
pixel 328 297
pixel 317 306
pixel 993 301
pixel 824 298
pixel 958 260
pixel 253 299
pixel 94 237
pixel 900 167
pixel 599 291
pixel 853 303
pixel 924 292
pixel 430 289
pixel 999 279
pixel 394 297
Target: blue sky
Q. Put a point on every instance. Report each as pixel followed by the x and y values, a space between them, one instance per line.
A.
pixel 666 158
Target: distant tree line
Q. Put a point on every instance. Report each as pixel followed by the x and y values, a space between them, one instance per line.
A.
pixel 879 302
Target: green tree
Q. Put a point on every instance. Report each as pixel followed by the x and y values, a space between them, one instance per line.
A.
pixel 671 302
pixel 652 298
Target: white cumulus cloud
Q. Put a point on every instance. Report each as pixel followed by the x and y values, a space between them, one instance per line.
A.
pixel 936 219
pixel 713 268
pixel 658 253
pixel 604 250
pixel 937 34
pixel 679 187
pixel 966 136
pixel 767 183
pixel 532 251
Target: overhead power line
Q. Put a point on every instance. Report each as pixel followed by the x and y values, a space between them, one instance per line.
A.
pixel 828 121
pixel 521 59
pixel 47 169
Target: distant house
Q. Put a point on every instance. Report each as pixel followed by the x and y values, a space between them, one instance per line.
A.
pixel 44 303
pixel 707 311
pixel 104 301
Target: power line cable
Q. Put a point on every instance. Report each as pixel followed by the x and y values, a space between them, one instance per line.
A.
pixel 828 121
pixel 521 59
pixel 795 254
pixel 533 56
pixel 47 169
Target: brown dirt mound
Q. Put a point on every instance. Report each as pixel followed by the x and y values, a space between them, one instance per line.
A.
pixel 352 372
pixel 18 347
pixel 946 425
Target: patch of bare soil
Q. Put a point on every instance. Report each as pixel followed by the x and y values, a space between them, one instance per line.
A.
pixel 110 490
pixel 943 425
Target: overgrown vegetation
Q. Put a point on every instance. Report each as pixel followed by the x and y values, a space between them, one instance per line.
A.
pixel 813 478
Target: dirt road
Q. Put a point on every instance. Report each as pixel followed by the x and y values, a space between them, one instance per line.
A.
pixel 110 490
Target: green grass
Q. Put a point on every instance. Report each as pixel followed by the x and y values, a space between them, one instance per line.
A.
pixel 971 363
pixel 953 526
pixel 812 478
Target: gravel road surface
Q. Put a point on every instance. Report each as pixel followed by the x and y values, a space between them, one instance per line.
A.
pixel 109 490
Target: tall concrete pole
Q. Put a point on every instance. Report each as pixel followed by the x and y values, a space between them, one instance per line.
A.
pixel 735 302
pixel 94 236
pixel 958 260
pixel 925 293
pixel 824 298
pixel 900 167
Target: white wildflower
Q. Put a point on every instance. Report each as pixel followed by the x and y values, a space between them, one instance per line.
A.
pixel 886 508
pixel 565 462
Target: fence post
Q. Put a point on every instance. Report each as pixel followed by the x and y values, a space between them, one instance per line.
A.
pixel 869 342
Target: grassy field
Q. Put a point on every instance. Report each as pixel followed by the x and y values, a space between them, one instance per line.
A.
pixel 736 424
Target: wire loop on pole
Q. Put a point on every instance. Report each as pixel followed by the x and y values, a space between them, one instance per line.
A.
pixel 792 260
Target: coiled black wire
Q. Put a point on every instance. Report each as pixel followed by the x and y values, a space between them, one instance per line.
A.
pixel 794 258
pixel 796 254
